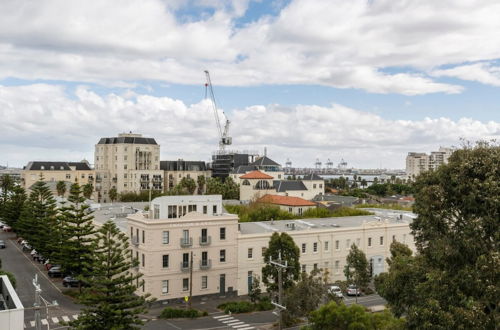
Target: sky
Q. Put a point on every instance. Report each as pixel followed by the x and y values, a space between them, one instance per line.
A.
pixel 364 80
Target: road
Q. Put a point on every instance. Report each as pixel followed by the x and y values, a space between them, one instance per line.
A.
pixel 367 301
pixel 20 264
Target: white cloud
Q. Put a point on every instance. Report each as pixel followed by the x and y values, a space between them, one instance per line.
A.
pixel 43 122
pixel 485 73
pixel 346 44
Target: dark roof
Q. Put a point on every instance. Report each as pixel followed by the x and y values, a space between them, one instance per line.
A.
pixel 287 185
pixel 265 161
pixel 127 139
pixel 182 165
pixel 312 177
pixel 242 169
pixel 57 166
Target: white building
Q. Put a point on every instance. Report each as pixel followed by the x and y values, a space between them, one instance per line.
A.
pixel 11 308
pixel 184 233
pixel 418 162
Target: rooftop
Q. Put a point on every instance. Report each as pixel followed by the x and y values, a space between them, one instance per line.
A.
pixel 383 216
pixel 265 161
pixel 133 139
pixel 182 165
pixel 285 200
pixel 288 185
pixel 57 166
pixel 256 175
pixel 313 177
pixel 117 212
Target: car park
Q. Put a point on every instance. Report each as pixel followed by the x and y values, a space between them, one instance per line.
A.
pixel 352 290
pixel 2 244
pixel 336 291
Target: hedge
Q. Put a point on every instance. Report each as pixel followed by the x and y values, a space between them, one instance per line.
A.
pixel 173 313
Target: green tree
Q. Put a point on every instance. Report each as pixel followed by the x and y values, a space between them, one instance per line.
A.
pixel 457 235
pixel 113 194
pixel 357 269
pixel 111 298
pixel 87 190
pixel 61 188
pixel 333 316
pixel 6 185
pixel 255 292
pixel 364 183
pixel 284 246
pixel 201 184
pixel 189 184
pixel 231 189
pixel 14 206
pixel 77 229
pixel 38 219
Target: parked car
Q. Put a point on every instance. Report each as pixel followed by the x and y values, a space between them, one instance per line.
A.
pixel 7 228
pixel 27 247
pixel 2 225
pixel 48 265
pixel 335 290
pixel 2 245
pixel 352 290
pixel 70 281
pixel 55 271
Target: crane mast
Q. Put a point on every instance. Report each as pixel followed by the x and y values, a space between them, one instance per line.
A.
pixel 224 139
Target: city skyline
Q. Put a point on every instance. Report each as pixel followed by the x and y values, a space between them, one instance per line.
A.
pixel 366 81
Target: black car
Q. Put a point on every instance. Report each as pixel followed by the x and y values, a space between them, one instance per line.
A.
pixel 70 281
pixel 2 245
pixel 55 271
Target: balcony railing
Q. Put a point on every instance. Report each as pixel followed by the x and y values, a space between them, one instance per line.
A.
pixel 205 263
pixel 185 266
pixel 205 240
pixel 135 240
pixel 187 242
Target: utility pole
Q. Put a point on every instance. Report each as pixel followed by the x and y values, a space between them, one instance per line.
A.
pixel 190 279
pixel 279 305
pixel 36 305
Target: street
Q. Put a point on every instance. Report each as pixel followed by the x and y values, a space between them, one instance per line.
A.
pixel 24 269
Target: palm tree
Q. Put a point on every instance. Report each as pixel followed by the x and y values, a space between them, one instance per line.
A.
pixel 113 194
pixel 61 188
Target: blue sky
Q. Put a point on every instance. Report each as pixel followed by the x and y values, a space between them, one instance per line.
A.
pixel 366 81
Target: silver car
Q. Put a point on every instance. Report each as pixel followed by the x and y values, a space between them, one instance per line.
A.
pixel 352 290
pixel 335 290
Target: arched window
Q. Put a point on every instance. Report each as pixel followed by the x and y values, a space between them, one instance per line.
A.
pixel 262 184
pixel 246 183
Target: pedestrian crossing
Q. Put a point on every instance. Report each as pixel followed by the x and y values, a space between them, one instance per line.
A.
pixel 232 322
pixel 53 321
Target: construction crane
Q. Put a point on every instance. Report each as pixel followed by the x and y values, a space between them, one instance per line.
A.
pixel 224 139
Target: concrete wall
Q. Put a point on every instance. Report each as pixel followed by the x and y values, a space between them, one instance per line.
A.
pixel 13 317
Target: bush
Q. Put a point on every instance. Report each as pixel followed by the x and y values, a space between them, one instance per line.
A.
pixel 11 277
pixel 349 212
pixel 385 206
pixel 264 304
pixel 237 307
pixel 172 313
pixel 317 213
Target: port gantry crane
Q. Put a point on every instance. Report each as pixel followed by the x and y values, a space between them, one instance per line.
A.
pixel 224 139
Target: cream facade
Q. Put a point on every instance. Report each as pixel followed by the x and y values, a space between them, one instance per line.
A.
pixel 128 163
pixel 70 172
pixel 175 171
pixel 180 233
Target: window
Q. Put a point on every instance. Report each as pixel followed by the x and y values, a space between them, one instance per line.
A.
pixel 165 261
pixel 315 267
pixel 143 237
pixel 125 166
pixel 204 235
pixel 314 186
pixel 337 245
pixel 326 246
pixel 381 240
pixel 222 233
pixel 204 258
pixel 164 287
pixel 245 183
pixel 68 176
pixel 156 211
pixel 321 186
pixel 125 157
pixel 185 236
pixel 172 211
pixel 214 209
pixel 300 211
pixel 264 249
pixel 204 209
pixel 327 264
pixel 337 267
pixel 303 268
pixel 303 247
pixel 290 210
pixel 358 241
pixel 369 241
pixel 143 260
pixel 191 208
pixel 204 282
pixel 250 253
pixel 185 284
pixel 315 247
pixel 131 232
pixel 165 237
pixel 125 175
pixel 347 243
pixel 222 256
pixel 185 260
pixel 394 238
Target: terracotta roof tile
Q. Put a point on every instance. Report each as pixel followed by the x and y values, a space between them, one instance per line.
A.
pixel 285 200
pixel 256 175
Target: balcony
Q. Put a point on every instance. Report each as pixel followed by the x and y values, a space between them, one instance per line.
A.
pixel 205 240
pixel 205 264
pixel 186 242
pixel 135 240
pixel 185 266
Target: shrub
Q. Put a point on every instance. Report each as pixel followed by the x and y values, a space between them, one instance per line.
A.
pixel 172 313
pixel 237 307
pixel 385 206
pixel 349 212
pixel 11 277
pixel 264 304
pixel 317 213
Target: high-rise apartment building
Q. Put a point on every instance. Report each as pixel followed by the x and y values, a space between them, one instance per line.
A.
pixel 128 163
pixel 418 162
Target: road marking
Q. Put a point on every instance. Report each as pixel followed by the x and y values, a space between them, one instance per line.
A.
pixel 172 325
pixel 230 321
pixel 238 323
pixel 65 318
pixel 32 323
pixel 226 318
pixel 45 322
pixel 55 320
pixel 31 261
pixel 247 328
pixel 218 317
pixel 75 316
pixel 242 326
